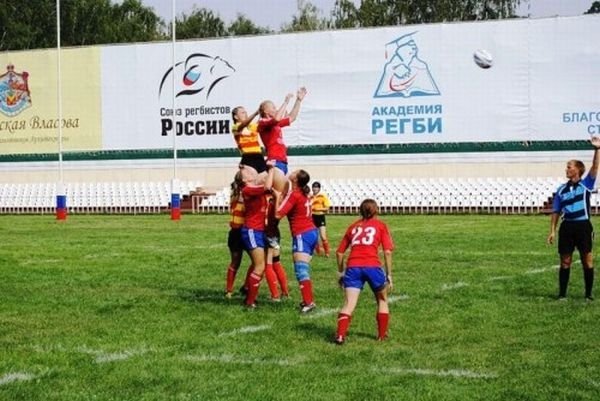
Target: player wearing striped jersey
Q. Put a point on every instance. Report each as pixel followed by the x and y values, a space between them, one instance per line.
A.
pixel 297 207
pixel 245 133
pixel 234 240
pixel 572 203
pixel 364 238
pixel 320 206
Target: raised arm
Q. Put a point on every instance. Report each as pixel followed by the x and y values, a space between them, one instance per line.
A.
pixel 244 124
pixel 281 112
pixel 594 169
pixel 296 108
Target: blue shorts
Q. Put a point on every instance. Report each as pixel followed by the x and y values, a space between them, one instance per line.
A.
pixel 305 242
pixel 252 239
pixel 355 277
pixel 282 166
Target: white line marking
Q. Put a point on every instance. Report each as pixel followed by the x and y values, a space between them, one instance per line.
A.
pixel 235 359
pixel 15 377
pixel 499 278
pixel 103 357
pixel 460 373
pixel 394 298
pixel 247 329
pixel 460 284
pixel 540 270
pixel 320 312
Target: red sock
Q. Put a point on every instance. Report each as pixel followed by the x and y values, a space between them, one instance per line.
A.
pixel 382 324
pixel 271 278
pixel 281 277
pixel 342 324
pixel 231 272
pixel 253 284
pixel 326 247
pixel 306 291
pixel 248 273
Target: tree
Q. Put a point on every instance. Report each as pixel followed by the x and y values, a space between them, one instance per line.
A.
pixel 244 26
pixel 134 22
pixel 392 12
pixel 344 15
pixel 201 23
pixel 31 24
pixel 306 19
pixel 594 9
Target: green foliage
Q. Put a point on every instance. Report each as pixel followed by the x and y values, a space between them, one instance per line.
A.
pixel 200 23
pixel 390 12
pixel 307 19
pixel 594 8
pixel 32 24
pixel 132 308
pixel 242 25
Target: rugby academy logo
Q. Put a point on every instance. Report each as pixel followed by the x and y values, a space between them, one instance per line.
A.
pixel 14 92
pixel 404 73
pixel 198 73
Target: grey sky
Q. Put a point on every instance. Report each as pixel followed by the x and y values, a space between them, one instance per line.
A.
pixel 273 13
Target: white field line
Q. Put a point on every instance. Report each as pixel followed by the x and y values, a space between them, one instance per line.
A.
pixel 394 298
pixel 235 359
pixel 103 357
pixel 245 330
pixel 460 284
pixel 458 373
pixel 320 312
pixel 499 278
pixel 15 377
pixel 540 270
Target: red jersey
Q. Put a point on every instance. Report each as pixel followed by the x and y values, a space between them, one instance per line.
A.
pixel 256 207
pixel 364 238
pixel 298 208
pixel 272 137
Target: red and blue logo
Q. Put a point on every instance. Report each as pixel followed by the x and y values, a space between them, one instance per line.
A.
pixel 199 73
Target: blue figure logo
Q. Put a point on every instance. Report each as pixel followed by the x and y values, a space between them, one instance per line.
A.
pixel 405 74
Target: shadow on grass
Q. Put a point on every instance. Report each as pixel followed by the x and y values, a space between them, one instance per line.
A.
pixel 216 297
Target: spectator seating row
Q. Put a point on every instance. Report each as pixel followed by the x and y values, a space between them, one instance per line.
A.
pixel 429 195
pixel 84 197
pixel 394 195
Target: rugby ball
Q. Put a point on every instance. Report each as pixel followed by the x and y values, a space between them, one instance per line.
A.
pixel 483 58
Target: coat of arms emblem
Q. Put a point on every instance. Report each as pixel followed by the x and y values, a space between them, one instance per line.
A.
pixel 14 92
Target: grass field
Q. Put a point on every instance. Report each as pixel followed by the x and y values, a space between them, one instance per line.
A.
pixel 132 308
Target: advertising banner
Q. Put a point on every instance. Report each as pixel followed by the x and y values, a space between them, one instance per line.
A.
pixel 393 85
pixel 29 106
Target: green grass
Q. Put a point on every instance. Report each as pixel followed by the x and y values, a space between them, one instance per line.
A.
pixel 131 308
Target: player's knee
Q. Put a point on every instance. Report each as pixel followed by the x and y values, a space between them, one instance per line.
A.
pixel 301 271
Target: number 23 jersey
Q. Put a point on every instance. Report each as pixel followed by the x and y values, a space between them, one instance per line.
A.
pixel 364 238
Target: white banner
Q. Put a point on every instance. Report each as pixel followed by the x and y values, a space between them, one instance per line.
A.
pixel 410 84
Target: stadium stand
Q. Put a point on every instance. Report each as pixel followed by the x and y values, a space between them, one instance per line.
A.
pixel 100 197
pixel 503 195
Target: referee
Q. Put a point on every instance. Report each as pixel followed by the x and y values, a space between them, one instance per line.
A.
pixel 572 202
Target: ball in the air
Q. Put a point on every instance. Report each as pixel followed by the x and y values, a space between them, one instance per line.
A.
pixel 483 58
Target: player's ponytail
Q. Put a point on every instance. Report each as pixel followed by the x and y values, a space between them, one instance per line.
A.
pixel 303 178
pixel 368 209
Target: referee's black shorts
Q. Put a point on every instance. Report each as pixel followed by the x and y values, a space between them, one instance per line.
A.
pixel 575 234
pixel 254 160
pixel 319 220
